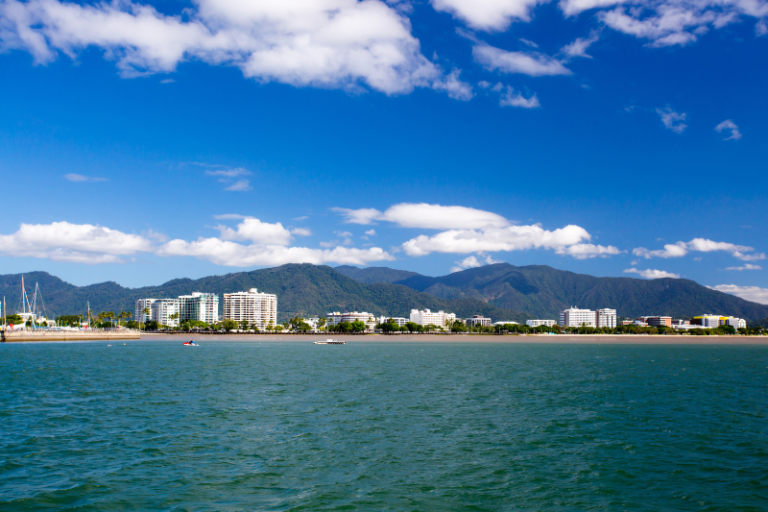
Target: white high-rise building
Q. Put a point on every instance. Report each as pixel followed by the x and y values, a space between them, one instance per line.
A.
pixel 575 317
pixel 537 323
pixel 141 305
pixel 427 317
pixel 606 318
pixel 164 311
pixel 202 307
pixel 253 306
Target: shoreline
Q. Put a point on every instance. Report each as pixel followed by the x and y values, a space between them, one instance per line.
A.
pixel 543 339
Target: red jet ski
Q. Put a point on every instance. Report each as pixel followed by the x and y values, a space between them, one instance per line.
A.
pixel 190 343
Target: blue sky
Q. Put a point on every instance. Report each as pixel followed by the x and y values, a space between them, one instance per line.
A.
pixel 145 142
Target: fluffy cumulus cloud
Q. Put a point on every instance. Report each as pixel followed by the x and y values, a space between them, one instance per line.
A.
pixel 231 254
pixel 324 43
pixel 468 230
pixel 730 126
pixel 423 215
pixel 488 15
pixel 680 249
pixel 76 243
pixel 652 273
pixel 473 262
pixel 510 238
pixel 256 231
pixel 750 293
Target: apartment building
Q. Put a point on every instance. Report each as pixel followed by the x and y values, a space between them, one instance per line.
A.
pixel 252 306
pixel 141 305
pixel 165 312
pixel 202 307
pixel 427 317
pixel 478 320
pixel 539 323
pixel 574 317
pixel 605 318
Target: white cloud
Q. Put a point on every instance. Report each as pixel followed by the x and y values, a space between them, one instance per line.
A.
pixel 80 178
pixel 370 232
pixel 239 186
pixel 761 28
pixel 328 43
pixel 470 262
pixel 528 42
pixel 677 250
pixel 578 48
pixel 680 249
pixel 574 7
pixel 360 216
pixel 301 232
pixel 473 262
pixel 226 253
pixel 652 274
pixel 750 293
pixel 77 243
pixel 229 173
pixel 231 216
pixel 512 98
pixel 748 266
pixel 527 63
pixel 729 125
pixel 672 120
pixel 487 15
pixel 427 216
pixel 586 251
pixel 258 232
pixel 510 238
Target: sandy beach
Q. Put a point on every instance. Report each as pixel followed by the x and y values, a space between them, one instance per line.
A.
pixel 605 339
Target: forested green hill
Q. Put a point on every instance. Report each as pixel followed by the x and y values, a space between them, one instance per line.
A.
pixel 542 292
pixel 302 289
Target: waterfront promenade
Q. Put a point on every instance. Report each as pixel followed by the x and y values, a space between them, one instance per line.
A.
pixel 44 335
pixel 613 339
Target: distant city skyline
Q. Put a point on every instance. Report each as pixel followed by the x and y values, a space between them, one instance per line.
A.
pixel 604 138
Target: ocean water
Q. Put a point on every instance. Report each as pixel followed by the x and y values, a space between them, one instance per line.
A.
pixel 277 426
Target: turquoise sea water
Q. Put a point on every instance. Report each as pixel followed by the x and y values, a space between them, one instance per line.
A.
pixel 376 426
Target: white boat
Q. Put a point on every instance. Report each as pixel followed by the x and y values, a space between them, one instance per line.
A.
pixel 330 342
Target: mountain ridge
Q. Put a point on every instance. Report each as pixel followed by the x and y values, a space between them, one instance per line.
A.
pixel 302 289
pixel 540 291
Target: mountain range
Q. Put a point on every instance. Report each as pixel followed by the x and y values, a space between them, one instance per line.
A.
pixel 500 291
pixel 540 291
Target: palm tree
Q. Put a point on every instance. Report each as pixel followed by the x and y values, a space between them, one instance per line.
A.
pixel 174 316
pixel 145 314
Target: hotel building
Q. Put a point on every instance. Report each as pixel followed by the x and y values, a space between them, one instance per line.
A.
pixel 606 318
pixel 252 306
pixel 427 317
pixel 575 317
pixel 539 323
